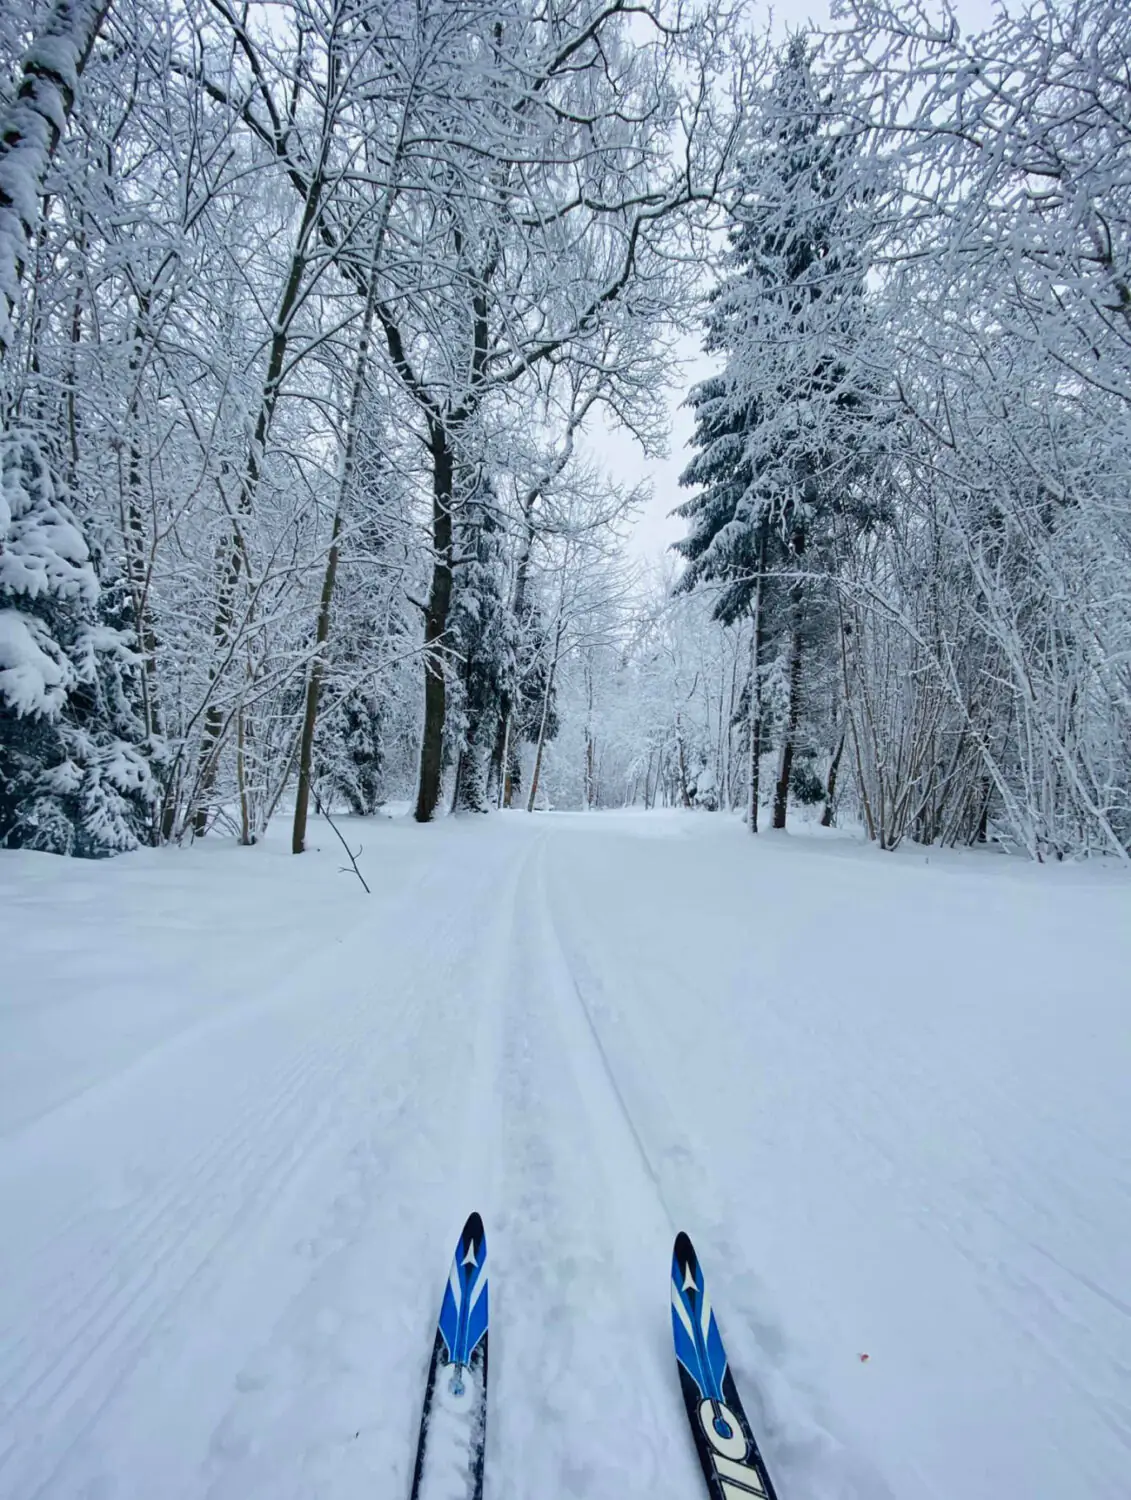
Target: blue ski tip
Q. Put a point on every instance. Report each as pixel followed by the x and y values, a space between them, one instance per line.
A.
pixel 463 1316
pixel 698 1344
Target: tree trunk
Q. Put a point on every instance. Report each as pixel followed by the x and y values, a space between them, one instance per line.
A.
pixel 982 832
pixel 756 632
pixel 545 716
pixel 460 758
pixel 322 629
pixel 785 765
pixel 134 533
pixel 496 789
pixel 314 689
pixel 504 741
pixel 590 752
pixel 30 128
pixel 830 786
pixel 246 838
pixel 732 783
pixel 435 626
pixel 208 759
pixel 503 753
pixel 473 768
pixel 511 785
pixel 681 761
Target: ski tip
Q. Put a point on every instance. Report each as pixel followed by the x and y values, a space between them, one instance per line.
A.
pixel 473 1232
pixel 683 1251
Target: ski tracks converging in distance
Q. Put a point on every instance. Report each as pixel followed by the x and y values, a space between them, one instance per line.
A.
pixel 584 1379
pixel 887 1099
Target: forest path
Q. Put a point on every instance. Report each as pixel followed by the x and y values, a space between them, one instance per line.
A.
pixel 244 1110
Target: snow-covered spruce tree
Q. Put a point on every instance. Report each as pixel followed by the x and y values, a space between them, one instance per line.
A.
pixel 483 638
pixel 352 763
pixel 74 778
pixel 779 427
pixel 74 775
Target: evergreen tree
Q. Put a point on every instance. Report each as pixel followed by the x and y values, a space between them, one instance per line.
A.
pixel 353 759
pixel 75 776
pixel 483 643
pixel 774 427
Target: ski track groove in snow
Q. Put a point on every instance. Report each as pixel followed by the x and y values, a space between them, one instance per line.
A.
pixel 227 1223
pixel 586 1250
pixel 99 1328
pixel 450 1128
pixel 627 1188
pixel 99 1285
pixel 681 1167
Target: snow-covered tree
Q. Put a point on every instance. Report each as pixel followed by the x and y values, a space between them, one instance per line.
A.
pixel 308 319
pixel 483 641
pixel 31 123
pixel 74 775
pixel 1006 244
pixel 778 426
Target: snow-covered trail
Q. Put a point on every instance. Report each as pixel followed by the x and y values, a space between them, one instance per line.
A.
pixel 244 1110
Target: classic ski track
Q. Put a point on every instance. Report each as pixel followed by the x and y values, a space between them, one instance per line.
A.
pixel 200 1167
pixel 99 1349
pixel 451 1115
pixel 684 1167
pixel 232 1008
pixel 88 1328
pixel 223 1255
pixel 583 1205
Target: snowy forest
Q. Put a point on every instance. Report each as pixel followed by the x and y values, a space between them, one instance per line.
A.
pixel 316 315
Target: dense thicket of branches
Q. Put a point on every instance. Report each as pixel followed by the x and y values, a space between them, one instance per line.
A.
pixel 309 304
pixel 307 313
pixel 953 427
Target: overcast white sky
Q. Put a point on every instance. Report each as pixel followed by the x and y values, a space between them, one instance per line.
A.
pixel 619 452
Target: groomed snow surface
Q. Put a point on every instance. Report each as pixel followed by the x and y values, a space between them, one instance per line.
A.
pixel 245 1109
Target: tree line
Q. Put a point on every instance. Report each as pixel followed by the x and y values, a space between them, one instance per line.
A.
pixel 309 316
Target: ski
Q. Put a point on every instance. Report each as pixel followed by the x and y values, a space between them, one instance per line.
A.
pixel 453 1422
pixel 732 1465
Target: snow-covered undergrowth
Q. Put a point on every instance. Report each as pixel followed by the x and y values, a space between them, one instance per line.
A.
pixel 244 1110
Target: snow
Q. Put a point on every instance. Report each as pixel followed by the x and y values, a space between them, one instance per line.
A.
pixel 34 673
pixel 42 551
pixel 244 1110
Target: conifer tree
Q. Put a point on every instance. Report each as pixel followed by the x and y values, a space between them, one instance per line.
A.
pixel 483 643
pixel 773 426
pixel 353 761
pixel 74 773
